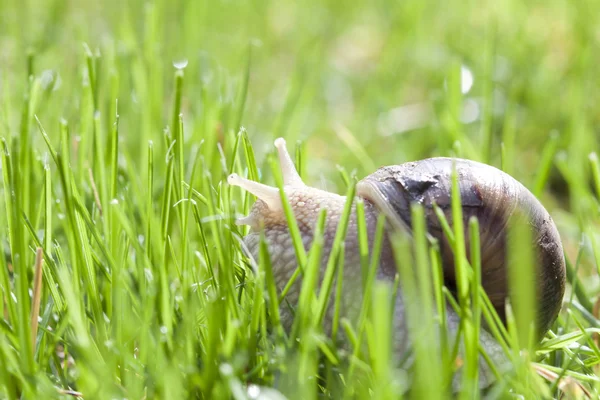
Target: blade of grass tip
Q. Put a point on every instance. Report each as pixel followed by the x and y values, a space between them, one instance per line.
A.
pixel 271 288
pixel 459 245
pixel 423 282
pixel 522 279
pixel 181 171
pixel 8 202
pixel 587 315
pixel 470 376
pixel 564 369
pixel 493 321
pixel 301 159
pixel 304 323
pixel 350 333
pixel 97 200
pixel 307 325
pixel 243 91
pixel 114 154
pixel 363 240
pixel 48 209
pixel 195 195
pixel 18 252
pixel 9 313
pixel 289 216
pixel 568 385
pixel 344 175
pixel 234 155
pixel 473 346
pixel 340 236
pixel 228 276
pixel 188 277
pixel 457 339
pixel 85 261
pixel 175 125
pixel 24 147
pixel 338 293
pixel 437 273
pixel 149 207
pixel 252 169
pixel 576 284
pixel 595 164
pixel 224 280
pixel 591 233
pixel 448 233
pixel 167 193
pixel 545 163
pixel 91 72
pixel 8 361
pixel 424 365
pixel 380 359
pixel 204 243
pixel 47 140
pixel 250 158
pixel 99 169
pixel 563 341
pixel 37 296
pixel 164 295
pixel 357 339
pixel 257 315
pixel 589 337
pixel 457 149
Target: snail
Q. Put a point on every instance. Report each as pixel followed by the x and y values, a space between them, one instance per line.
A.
pixel 486 193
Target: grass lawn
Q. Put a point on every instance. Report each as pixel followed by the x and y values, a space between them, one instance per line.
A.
pixel 122 274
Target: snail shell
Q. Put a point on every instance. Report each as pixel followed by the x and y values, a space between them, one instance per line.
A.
pixel 493 197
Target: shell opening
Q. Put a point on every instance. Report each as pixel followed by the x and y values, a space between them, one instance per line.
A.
pixel 372 193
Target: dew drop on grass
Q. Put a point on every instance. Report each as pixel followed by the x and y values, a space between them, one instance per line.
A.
pixel 180 64
pixel 226 369
pixel 466 79
pixel 46 79
pixel 256 392
pixel 253 391
pixel 470 112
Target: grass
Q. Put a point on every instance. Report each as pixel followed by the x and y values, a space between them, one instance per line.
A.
pixel 121 122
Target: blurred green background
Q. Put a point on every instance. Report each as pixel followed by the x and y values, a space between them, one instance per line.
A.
pixel 401 80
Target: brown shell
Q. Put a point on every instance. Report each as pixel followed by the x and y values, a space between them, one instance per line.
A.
pixel 493 197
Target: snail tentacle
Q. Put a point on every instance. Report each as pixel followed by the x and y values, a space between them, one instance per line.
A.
pixel 288 170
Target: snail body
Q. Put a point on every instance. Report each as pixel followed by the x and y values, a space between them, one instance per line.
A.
pixel 486 193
